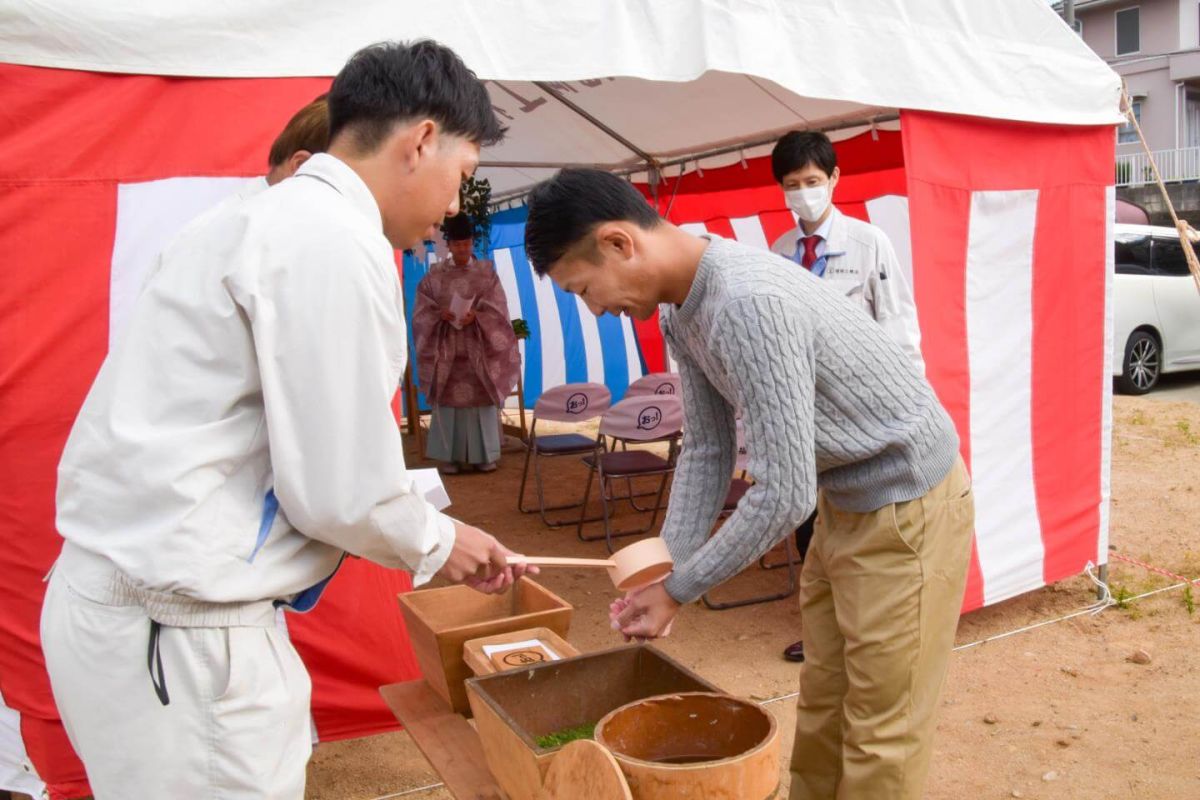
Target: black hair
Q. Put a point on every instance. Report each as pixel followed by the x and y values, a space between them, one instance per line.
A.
pixel 458 227
pixel 564 209
pixel 799 148
pixel 390 82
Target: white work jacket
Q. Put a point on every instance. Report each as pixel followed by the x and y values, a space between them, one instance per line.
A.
pixel 250 188
pixel 859 260
pixel 239 440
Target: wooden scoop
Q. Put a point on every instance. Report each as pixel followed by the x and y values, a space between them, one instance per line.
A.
pixel 632 567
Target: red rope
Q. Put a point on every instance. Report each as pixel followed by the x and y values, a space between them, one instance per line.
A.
pixel 1152 568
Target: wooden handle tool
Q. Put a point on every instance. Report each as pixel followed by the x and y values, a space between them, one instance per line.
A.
pixel 551 561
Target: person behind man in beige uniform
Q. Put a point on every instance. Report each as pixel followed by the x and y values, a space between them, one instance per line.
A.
pixel 305 134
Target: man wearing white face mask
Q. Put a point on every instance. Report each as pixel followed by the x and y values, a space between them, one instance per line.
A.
pixel 852 255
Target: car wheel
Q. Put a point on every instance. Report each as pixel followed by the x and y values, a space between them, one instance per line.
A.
pixel 1142 365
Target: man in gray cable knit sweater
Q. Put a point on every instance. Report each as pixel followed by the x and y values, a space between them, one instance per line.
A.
pixel 836 417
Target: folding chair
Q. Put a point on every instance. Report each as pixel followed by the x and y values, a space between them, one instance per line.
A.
pixel 655 383
pixel 573 402
pixel 737 489
pixel 650 418
pixel 793 557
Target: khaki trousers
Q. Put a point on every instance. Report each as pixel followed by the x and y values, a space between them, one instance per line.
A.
pixel 880 595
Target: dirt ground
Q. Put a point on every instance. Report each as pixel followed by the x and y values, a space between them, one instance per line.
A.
pixel 1055 712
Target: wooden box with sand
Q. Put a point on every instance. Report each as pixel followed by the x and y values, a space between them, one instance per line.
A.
pixel 514 709
pixel 441 621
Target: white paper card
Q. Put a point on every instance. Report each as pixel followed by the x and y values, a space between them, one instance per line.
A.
pixel 459 306
pixel 490 650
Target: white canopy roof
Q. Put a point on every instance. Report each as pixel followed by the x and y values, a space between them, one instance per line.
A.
pixel 617 84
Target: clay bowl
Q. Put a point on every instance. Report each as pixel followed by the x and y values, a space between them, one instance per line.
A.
pixel 694 744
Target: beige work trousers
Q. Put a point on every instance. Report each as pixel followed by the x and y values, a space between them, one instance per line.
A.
pixel 880 595
pixel 236 724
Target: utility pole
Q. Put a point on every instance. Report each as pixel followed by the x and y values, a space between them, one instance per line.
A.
pixel 1069 13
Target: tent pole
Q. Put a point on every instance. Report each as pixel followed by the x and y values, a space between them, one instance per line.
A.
pixel 859 122
pixel 544 165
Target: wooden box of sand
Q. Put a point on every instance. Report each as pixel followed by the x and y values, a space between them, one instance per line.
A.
pixel 514 709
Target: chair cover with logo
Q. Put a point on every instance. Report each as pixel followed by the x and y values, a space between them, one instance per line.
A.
pixel 655 383
pixel 572 403
pixel 645 419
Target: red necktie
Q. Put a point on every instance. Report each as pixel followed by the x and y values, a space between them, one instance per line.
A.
pixel 810 251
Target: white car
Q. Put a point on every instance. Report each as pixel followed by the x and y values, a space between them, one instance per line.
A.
pixel 1156 308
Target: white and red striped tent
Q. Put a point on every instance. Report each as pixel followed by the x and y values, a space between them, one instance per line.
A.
pixel 980 135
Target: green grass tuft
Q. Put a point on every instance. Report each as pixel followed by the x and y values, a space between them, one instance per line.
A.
pixel 559 738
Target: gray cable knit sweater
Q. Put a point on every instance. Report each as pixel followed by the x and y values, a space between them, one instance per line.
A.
pixel 827 398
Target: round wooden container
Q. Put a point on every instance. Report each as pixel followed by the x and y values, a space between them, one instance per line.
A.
pixel 640 564
pixel 694 744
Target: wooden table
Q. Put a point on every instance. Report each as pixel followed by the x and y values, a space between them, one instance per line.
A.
pixel 446 739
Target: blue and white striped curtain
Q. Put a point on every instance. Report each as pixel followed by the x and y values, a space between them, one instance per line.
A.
pixel 566 343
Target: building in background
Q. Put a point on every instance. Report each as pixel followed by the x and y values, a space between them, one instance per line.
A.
pixel 1154 45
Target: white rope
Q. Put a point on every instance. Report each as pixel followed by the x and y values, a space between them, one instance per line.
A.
pixel 1106 601
pixel 407 792
pixel 781 697
pixel 1088 610
pixel 1158 439
pixel 1158 591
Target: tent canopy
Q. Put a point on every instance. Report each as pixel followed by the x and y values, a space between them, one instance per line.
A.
pixel 107 166
pixel 624 85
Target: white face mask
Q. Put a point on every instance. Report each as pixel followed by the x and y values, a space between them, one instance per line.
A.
pixel 810 203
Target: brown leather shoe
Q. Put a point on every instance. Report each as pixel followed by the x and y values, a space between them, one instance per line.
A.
pixel 794 651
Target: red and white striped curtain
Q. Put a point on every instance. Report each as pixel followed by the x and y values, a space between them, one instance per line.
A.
pixel 97 169
pixel 1008 252
pixel 1004 229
